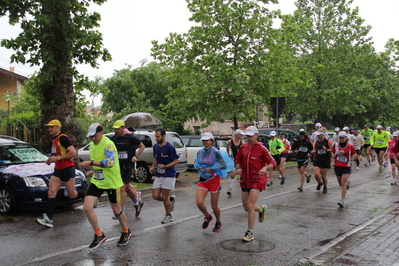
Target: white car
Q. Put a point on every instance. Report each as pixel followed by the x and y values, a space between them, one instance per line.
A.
pixel 146 158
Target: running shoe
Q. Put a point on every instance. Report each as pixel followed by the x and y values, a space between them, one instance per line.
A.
pixel 348 184
pixel 282 181
pixel 279 177
pixel 325 190
pixel 385 164
pixel 173 200
pixel 319 186
pixel 308 178
pixel 138 208
pixel 229 193
pixel 300 188
pixel 45 221
pixel 124 238
pixel 381 168
pixel 97 241
pixel 249 236
pixel 394 183
pixel 341 203
pixel 167 219
pixel 357 168
pixel 207 221
pixel 218 227
pixel 366 164
pixel 270 184
pixel 262 214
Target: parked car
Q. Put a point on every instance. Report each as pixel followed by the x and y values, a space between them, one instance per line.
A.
pixel 221 143
pixel 24 178
pixel 146 158
pixel 265 140
pixel 289 134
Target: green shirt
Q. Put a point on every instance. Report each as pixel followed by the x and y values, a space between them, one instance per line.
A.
pixel 108 176
pixel 367 135
pixel 273 144
pixel 380 140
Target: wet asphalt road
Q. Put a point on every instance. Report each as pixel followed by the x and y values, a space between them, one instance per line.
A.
pixel 296 224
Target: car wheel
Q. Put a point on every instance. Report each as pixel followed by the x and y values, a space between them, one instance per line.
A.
pixel 143 174
pixel 7 201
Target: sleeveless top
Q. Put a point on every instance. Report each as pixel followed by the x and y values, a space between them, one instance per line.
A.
pixel 57 149
pixel 234 148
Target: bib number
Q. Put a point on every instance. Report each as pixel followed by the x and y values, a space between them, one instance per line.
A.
pixel 122 155
pixel 380 141
pixel 161 171
pixel 303 149
pixel 98 174
pixel 342 159
pixel 321 151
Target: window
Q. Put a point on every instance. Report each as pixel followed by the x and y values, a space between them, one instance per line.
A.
pixel 175 140
pixel 146 140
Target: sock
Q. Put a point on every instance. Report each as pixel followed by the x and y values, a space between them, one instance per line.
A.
pixel 125 230
pixel 261 209
pixel 136 202
pixel 250 230
pixel 218 222
pixel 231 183
pixel 207 216
pixel 98 232
pixel 50 208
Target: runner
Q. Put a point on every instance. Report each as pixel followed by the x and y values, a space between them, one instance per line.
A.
pixel 276 147
pixel 284 156
pixel 343 155
pixel 386 154
pixel 106 178
pixel 209 163
pixel 163 165
pixel 322 160
pixel 335 135
pixel 232 148
pixel 62 153
pixel 366 134
pixel 302 147
pixel 358 143
pixel 379 140
pixel 391 146
pixel 126 144
pixel 253 162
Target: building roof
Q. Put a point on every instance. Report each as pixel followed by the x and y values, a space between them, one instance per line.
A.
pixel 12 74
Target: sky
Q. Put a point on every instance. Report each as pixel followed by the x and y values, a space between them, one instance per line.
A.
pixel 129 26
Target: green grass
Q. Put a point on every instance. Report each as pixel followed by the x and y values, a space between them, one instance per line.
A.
pixel 290 163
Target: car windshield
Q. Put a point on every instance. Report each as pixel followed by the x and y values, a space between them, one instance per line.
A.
pixel 175 140
pixel 20 153
pixel 222 142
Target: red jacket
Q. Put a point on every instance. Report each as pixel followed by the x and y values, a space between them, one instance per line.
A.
pixel 252 159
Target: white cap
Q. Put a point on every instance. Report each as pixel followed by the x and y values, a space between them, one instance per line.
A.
pixel 379 127
pixel 345 128
pixel 342 134
pixel 207 136
pixel 273 133
pixel 395 134
pixel 337 129
pixel 302 130
pixel 238 131
pixel 94 129
pixel 318 125
pixel 319 132
pixel 388 128
pixel 251 131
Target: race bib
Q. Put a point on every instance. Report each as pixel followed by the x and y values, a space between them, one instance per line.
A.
pixel 366 137
pixel 98 174
pixel 122 154
pixel 303 149
pixel 53 149
pixel 380 141
pixel 342 159
pixel 161 171
pixel 321 151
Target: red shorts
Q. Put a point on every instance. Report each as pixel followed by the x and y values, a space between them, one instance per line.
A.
pixel 258 182
pixel 212 184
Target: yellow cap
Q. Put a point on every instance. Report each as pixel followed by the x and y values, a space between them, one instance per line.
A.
pixel 54 122
pixel 118 124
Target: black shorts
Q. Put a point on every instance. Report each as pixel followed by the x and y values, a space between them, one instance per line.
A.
pixel 378 150
pixel 126 175
pixel 322 164
pixel 339 170
pixel 65 174
pixel 392 160
pixel 248 189
pixel 302 162
pixel 366 146
pixel 359 151
pixel 277 157
pixel 114 195
pixel 284 155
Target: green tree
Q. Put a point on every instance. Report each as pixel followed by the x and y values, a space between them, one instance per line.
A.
pixel 334 52
pixel 229 64
pixel 56 35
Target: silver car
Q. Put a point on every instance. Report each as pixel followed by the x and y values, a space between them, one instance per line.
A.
pixel 146 158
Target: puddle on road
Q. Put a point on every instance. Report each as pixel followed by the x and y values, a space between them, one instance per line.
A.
pixel 251 247
pixel 98 262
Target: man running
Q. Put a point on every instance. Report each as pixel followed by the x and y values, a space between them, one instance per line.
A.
pixel 379 141
pixel 358 143
pixel 302 147
pixel 106 178
pixel 126 145
pixel 64 170
pixel 232 148
pixel 366 134
pixel 276 147
pixel 164 166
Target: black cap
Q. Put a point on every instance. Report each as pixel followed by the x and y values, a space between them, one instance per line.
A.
pixel 302 133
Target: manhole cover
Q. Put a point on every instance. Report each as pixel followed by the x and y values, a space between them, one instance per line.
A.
pixel 251 247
